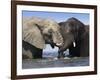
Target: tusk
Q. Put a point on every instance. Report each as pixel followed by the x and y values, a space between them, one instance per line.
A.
pixel 59 44
pixel 74 44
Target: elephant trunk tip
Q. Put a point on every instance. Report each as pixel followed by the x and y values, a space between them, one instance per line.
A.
pixel 59 44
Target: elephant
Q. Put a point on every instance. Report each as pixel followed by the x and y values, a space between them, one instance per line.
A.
pixel 76 38
pixel 37 32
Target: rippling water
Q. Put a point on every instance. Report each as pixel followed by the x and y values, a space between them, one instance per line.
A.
pixel 53 62
pixel 50 60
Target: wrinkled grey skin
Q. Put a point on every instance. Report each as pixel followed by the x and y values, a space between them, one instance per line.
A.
pixel 75 31
pixel 37 32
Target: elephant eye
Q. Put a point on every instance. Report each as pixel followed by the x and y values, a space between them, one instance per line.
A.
pixel 50 31
pixel 47 35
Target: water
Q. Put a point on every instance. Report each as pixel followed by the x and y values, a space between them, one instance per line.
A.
pixel 50 60
pixel 48 63
pixel 52 52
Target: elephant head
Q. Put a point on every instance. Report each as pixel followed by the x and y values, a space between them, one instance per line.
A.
pixel 75 36
pixel 38 31
pixel 72 31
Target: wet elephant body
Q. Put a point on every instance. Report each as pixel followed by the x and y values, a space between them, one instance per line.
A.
pixel 76 38
pixel 31 51
pixel 37 32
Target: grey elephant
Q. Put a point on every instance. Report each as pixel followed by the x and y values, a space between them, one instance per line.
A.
pixel 76 38
pixel 37 32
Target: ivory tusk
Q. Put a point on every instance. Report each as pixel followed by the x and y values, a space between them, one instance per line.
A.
pixel 74 44
pixel 59 44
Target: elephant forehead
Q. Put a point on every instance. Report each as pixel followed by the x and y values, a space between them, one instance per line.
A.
pixel 51 23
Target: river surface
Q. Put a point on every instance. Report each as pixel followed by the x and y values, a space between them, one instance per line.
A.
pixel 50 60
pixel 54 62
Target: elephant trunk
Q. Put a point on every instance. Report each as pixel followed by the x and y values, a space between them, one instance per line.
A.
pixel 57 38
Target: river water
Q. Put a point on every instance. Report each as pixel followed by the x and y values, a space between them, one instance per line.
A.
pixel 50 60
pixel 48 63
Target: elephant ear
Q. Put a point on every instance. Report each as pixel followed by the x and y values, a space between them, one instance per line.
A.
pixel 32 35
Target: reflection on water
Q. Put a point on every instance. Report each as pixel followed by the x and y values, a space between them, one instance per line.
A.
pixel 50 60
